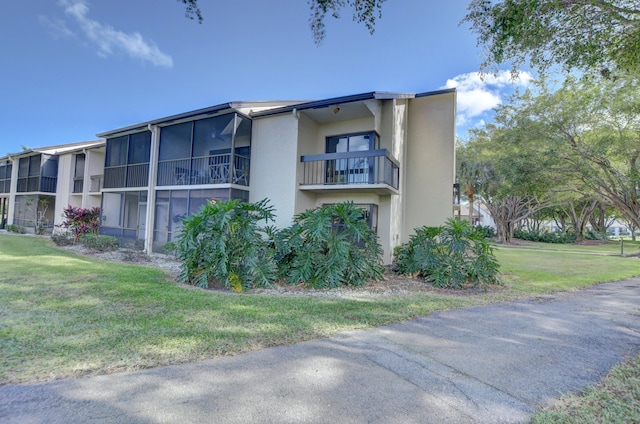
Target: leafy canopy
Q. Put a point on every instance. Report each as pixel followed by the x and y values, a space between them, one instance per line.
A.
pixel 364 12
pixel 574 34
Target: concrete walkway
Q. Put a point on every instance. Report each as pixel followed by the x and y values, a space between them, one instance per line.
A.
pixel 478 365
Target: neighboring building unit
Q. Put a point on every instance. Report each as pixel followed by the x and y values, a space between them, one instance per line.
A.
pixel 37 184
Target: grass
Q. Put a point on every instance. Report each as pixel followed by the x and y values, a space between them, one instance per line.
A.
pixel 616 399
pixel 529 271
pixel 608 247
pixel 65 315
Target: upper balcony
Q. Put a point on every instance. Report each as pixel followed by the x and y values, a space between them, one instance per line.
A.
pixel 366 171
pixel 136 175
pixel 213 169
pixel 37 184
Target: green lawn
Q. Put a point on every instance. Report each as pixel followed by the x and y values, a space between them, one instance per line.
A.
pixel 616 399
pixel 531 271
pixel 608 247
pixel 63 315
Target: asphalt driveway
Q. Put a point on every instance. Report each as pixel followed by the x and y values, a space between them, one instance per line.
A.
pixel 485 364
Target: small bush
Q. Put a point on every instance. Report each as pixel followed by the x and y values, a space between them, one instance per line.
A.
pixel 545 236
pixel 224 245
pixel 16 229
pixel 99 242
pixel 486 230
pixel 329 246
pixel 170 248
pixel 81 221
pixel 595 235
pixel 63 238
pixel 450 256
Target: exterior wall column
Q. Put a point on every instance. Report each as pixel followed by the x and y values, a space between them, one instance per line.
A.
pixel 86 183
pixel 12 189
pixel 151 187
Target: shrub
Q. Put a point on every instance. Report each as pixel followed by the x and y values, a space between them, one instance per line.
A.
pixel 169 248
pixel 450 256
pixel 99 242
pixel 545 236
pixel 223 243
pixel 329 246
pixel 81 221
pixel 486 230
pixel 16 229
pixel 595 235
pixel 63 238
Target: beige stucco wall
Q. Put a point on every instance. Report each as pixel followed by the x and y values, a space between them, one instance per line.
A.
pixel 307 145
pixel 342 127
pixel 274 160
pixel 94 166
pixel 429 164
pixel 64 187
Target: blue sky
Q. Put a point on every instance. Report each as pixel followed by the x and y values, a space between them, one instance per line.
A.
pixel 74 68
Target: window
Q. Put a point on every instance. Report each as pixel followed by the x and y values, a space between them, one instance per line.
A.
pixel 206 151
pixel 173 205
pixel 139 147
pixel 5 177
pixel 369 214
pixel 351 169
pixel 117 151
pixel 352 143
pixel 175 142
pixel 79 168
pixel 127 160
pixel 123 215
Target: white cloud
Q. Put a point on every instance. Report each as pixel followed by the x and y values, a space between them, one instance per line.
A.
pixel 109 39
pixel 58 27
pixel 478 94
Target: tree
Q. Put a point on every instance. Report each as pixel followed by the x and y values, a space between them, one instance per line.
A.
pixel 574 34
pixel 583 138
pixel 515 183
pixel 594 127
pixel 363 12
pixel 470 174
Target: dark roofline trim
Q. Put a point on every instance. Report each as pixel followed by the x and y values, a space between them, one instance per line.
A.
pixel 317 104
pixel 212 110
pixel 437 92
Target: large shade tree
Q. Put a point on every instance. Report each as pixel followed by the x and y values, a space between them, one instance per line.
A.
pixel 574 34
pixel 514 184
pixel 580 143
pixel 594 128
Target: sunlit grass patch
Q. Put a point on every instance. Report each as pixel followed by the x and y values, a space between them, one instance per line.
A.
pixel 65 315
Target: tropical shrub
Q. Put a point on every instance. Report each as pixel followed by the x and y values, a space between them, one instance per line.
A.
pixel 487 230
pixel 329 246
pixel 224 244
pixel 451 256
pixel 169 248
pixel 99 242
pixel 81 221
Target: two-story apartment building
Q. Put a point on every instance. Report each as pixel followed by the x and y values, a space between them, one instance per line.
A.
pixel 391 153
pixel 37 184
